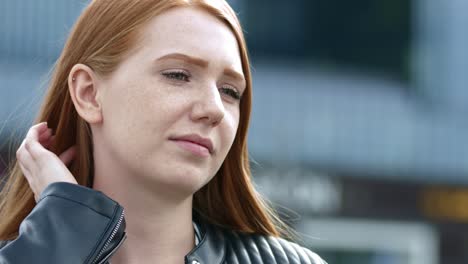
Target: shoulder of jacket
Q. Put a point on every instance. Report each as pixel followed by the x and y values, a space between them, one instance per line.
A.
pixel 3 243
pixel 254 248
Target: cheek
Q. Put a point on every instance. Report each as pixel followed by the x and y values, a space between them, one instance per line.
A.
pixel 235 116
pixel 127 116
pixel 229 131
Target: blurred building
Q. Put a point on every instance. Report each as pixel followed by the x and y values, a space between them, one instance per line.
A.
pixel 359 117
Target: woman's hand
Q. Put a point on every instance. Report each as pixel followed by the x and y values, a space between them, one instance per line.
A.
pixel 40 166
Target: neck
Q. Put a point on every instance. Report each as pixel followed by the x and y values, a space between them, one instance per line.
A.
pixel 159 229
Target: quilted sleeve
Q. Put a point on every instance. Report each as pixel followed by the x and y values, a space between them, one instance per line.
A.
pixel 299 254
pixel 258 249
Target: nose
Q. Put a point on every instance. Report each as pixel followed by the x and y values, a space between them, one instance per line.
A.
pixel 208 106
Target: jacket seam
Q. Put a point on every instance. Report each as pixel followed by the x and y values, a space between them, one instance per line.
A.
pixel 303 258
pixel 286 250
pixel 276 255
pixel 229 249
pixel 220 236
pixel 250 248
pixel 264 255
pixel 234 246
pixel 102 236
pixel 223 259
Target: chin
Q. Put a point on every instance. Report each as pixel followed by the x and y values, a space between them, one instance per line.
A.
pixel 185 180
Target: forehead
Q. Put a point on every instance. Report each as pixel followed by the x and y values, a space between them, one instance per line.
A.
pixel 191 31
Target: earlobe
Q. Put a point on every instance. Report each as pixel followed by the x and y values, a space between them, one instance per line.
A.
pixel 84 91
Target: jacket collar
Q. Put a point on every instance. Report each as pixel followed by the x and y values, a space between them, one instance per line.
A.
pixel 211 249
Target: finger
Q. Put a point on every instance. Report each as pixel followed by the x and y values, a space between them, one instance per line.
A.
pixel 24 170
pixel 35 149
pixel 26 174
pixel 45 135
pixel 47 140
pixel 23 154
pixel 20 149
pixel 42 131
pixel 25 160
pixel 35 130
pixel 68 155
pixel 40 127
pixel 46 144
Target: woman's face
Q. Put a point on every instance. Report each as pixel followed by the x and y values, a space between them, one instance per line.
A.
pixel 171 109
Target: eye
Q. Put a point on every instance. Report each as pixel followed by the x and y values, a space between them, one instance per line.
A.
pixel 177 75
pixel 231 91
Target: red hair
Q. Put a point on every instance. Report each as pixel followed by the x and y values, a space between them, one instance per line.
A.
pixel 101 38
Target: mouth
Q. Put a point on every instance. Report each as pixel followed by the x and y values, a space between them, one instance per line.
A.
pixel 194 143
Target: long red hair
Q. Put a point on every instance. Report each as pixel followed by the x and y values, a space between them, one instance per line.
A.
pixel 100 39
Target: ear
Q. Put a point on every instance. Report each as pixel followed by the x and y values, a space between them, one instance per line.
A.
pixel 83 86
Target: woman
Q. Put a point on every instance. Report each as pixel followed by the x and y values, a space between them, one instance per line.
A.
pixel 147 110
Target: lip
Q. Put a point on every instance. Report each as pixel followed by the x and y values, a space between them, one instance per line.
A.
pixel 195 139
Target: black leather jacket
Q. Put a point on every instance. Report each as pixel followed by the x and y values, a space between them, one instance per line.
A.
pixel 74 224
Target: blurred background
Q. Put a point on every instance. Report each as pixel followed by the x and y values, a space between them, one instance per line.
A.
pixel 359 130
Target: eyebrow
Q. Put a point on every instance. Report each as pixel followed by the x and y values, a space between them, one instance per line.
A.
pixel 235 75
pixel 202 63
pixel 179 56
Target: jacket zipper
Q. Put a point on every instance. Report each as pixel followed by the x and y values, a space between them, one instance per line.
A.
pixel 114 232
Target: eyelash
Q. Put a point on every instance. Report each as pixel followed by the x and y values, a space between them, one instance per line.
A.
pixel 185 77
pixel 231 92
pixel 177 75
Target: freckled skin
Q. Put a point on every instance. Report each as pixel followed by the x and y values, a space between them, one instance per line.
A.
pixel 142 108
